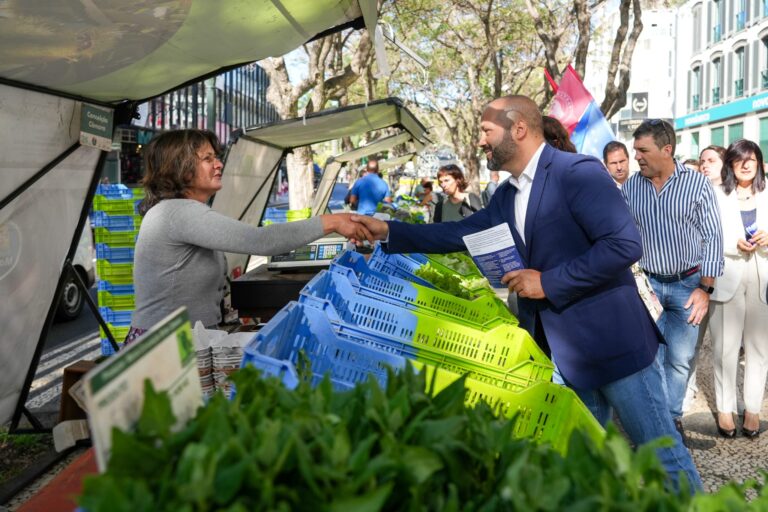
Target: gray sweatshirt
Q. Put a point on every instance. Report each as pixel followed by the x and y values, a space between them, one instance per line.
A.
pixel 179 259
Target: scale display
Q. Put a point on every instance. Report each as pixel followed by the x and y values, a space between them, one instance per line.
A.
pixel 316 254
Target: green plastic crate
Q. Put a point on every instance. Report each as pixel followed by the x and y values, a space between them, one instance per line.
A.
pixel 114 206
pixel 115 273
pixel 119 302
pixel 119 332
pixel 115 238
pixel 545 412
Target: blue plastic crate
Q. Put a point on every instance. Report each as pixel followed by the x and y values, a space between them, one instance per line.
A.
pixel 297 327
pixel 115 317
pixel 101 219
pixel 106 347
pixel 116 289
pixel 398 265
pixel 117 191
pixel 114 254
pixel 504 363
pixel 284 370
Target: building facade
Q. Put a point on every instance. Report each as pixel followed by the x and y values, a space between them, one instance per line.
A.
pixel 223 104
pixel 722 75
pixel 651 93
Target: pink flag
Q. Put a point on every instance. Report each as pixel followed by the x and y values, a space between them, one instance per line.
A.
pixel 571 100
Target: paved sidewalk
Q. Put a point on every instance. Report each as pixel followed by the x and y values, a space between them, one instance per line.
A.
pixel 720 460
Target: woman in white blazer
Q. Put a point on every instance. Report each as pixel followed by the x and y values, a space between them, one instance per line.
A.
pixel 738 308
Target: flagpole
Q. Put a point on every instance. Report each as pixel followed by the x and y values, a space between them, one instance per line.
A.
pixel 550 80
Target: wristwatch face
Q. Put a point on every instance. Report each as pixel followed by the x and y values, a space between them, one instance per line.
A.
pixel 708 289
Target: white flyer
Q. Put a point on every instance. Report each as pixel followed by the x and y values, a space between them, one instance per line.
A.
pixel 114 390
pixel 494 252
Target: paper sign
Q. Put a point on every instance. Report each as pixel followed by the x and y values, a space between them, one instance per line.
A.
pixel 494 252
pixel 114 390
pixel 96 127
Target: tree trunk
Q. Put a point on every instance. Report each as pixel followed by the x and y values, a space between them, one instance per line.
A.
pixel 300 178
pixel 621 58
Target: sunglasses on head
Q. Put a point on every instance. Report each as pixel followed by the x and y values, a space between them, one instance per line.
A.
pixel 656 122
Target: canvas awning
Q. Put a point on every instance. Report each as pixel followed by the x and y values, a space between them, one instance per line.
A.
pixel 253 160
pixel 56 55
pixel 116 50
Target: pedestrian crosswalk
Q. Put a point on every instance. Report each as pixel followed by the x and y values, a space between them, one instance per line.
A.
pixel 48 379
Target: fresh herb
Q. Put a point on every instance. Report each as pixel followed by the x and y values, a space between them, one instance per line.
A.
pixel 372 449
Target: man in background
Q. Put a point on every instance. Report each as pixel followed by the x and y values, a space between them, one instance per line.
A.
pixel 490 188
pixel 370 190
pixel 616 160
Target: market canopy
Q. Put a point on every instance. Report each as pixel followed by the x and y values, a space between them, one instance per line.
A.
pixel 56 56
pixel 253 160
pixel 116 50
pixel 396 161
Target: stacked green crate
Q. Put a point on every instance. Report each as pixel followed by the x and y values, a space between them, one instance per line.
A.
pixel 116 224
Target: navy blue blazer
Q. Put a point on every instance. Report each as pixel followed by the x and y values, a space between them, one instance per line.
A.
pixel 582 238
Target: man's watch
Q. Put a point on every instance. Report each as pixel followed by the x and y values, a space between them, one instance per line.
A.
pixel 708 289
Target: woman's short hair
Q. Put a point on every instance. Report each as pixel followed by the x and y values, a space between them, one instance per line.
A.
pixel 556 135
pixel 741 150
pixel 453 171
pixel 427 185
pixel 170 162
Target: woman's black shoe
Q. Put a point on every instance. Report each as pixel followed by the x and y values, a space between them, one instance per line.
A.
pixel 728 434
pixel 750 434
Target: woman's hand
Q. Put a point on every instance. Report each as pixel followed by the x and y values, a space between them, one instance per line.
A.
pixel 745 246
pixel 760 238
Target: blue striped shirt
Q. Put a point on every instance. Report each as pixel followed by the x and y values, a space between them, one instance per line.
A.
pixel 680 226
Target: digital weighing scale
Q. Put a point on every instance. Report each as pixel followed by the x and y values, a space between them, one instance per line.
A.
pixel 315 255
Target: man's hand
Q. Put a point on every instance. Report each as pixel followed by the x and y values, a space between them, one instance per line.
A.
pixel 698 302
pixel 378 229
pixel 342 224
pixel 759 238
pixel 526 282
pixel 745 246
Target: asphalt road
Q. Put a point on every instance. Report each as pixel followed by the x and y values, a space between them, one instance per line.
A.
pixel 62 333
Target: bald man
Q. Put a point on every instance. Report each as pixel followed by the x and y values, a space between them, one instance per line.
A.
pixel 576 295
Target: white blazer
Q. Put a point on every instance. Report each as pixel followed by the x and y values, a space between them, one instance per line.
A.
pixel 735 260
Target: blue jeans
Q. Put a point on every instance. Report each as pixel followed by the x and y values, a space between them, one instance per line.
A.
pixel 676 357
pixel 641 405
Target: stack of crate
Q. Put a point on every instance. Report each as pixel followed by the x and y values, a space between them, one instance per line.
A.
pixel 116 224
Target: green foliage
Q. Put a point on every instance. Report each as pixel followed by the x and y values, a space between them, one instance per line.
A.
pixel 372 449
pixel 454 273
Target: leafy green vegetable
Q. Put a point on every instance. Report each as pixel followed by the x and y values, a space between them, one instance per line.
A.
pixel 373 449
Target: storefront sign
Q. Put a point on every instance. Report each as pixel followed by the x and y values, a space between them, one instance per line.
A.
pixel 114 390
pixel 732 109
pixel 96 127
pixel 639 104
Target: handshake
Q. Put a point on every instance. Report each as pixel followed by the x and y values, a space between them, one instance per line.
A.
pixel 357 228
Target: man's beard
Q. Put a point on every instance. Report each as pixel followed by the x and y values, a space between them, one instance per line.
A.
pixel 502 153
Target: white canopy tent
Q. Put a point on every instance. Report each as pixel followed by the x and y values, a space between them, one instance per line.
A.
pixel 55 56
pixel 253 160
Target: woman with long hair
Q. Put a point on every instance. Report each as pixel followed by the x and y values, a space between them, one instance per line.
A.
pixel 738 310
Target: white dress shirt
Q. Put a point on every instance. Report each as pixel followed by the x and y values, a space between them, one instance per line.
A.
pixel 523 184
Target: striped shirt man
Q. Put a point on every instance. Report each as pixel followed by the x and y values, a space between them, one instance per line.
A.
pixel 680 225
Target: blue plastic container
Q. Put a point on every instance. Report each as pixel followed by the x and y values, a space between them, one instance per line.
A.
pixel 101 219
pixel 116 289
pixel 117 191
pixel 284 370
pixel 399 265
pixel 115 317
pixel 297 327
pixel 114 254
pixel 106 347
